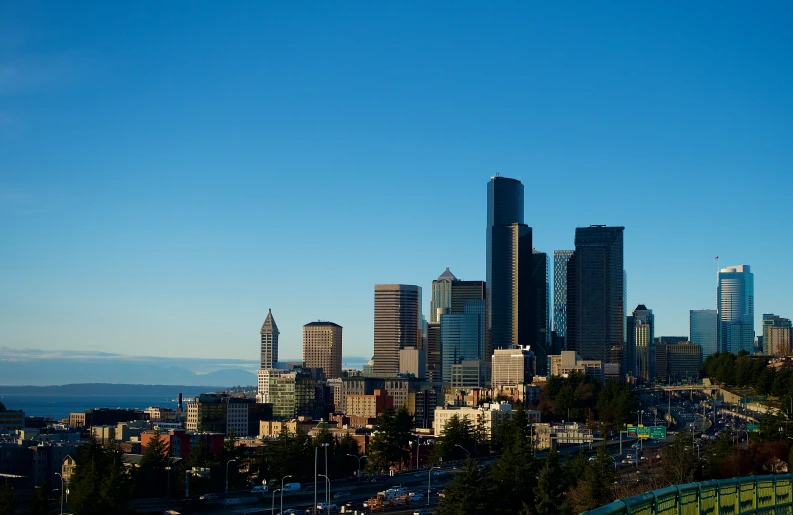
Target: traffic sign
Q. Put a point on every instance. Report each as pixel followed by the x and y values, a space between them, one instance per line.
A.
pixel 753 428
pixel 652 432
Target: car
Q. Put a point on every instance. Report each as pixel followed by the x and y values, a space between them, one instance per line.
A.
pixel 209 497
pixel 326 506
pixel 418 474
pixel 341 495
pixel 441 494
pixel 355 504
pixel 439 473
pixel 629 456
pixel 416 496
pixel 422 511
pixel 592 458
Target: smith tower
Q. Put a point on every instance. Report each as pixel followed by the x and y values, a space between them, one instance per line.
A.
pixel 510 295
pixel 269 334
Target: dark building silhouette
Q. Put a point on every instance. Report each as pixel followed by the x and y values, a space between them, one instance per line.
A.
pixel 596 295
pixel 510 295
pixel 541 322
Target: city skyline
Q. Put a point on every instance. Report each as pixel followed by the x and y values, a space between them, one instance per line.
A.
pixel 181 182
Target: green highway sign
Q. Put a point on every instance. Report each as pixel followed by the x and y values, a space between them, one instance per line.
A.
pixel 653 432
pixel 753 428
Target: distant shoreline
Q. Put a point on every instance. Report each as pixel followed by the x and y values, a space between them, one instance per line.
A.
pixel 100 389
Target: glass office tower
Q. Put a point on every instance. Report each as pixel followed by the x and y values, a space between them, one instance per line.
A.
pixel 510 313
pixel 560 260
pixel 703 330
pixel 735 300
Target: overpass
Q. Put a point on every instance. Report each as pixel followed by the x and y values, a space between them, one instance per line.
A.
pixel 770 495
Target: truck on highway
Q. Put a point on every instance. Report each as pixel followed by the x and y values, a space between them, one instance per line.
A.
pixel 292 487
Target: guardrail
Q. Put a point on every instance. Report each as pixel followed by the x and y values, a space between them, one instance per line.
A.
pixel 744 495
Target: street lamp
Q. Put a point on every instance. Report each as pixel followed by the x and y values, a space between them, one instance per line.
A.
pixel 463 448
pixel 168 471
pixel 62 489
pixel 327 493
pixel 429 483
pixel 282 492
pixel 272 504
pixel 359 463
pixel 227 475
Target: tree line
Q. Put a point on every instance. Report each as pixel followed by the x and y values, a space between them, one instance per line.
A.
pixel 580 397
pixel 744 370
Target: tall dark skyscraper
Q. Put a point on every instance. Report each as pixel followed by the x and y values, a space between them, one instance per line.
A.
pixel 510 296
pixel 397 324
pixel 542 321
pixel 560 260
pixel 596 295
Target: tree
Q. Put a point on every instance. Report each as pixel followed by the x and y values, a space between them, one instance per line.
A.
pixel 594 488
pixel 100 483
pixel 390 445
pixel 514 474
pixel 151 479
pixel 8 500
pixel 549 492
pixel 457 432
pixel 40 503
pixel 467 493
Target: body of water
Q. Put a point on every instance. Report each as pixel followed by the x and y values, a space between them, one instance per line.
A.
pixel 59 406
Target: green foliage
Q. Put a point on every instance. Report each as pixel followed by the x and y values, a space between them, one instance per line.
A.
pixel 101 483
pixel 549 492
pixel 744 370
pixel 680 464
pixel 8 500
pixel 40 503
pixel 456 432
pixel 150 478
pixel 514 474
pixel 390 445
pixel 593 488
pixel 467 493
pixel 582 397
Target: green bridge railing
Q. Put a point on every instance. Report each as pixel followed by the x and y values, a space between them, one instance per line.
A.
pixel 759 495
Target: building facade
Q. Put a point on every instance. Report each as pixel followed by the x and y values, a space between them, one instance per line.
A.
pixel 596 295
pixel 640 344
pixel 487 416
pixel 540 277
pixel 512 367
pixel 269 342
pixel 568 362
pixel 683 361
pixel 397 324
pixel 735 298
pixel 776 335
pixel 474 373
pixel 703 330
pixel 218 413
pixel 322 346
pixel 560 260
pixel 434 357
pixel 441 295
pixel 462 336
pixel 510 300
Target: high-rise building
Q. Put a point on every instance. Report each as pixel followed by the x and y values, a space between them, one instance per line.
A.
pixel 640 344
pixel 735 299
pixel 434 352
pixel 269 334
pixel 462 336
pixel 512 367
pixel 703 330
pixel 322 347
pixel 684 360
pixel 510 298
pixel 397 324
pixel 441 295
pixel 596 295
pixel 560 259
pixel 540 271
pixel 776 335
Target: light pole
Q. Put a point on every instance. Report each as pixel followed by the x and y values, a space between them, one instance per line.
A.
pixel 62 489
pixel 227 475
pixel 429 483
pixel 282 492
pixel 359 463
pixel 463 448
pixel 327 493
pixel 272 504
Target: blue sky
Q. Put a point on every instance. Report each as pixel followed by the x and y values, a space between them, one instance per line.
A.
pixel 168 172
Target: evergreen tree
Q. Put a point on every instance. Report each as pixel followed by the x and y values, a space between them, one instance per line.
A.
pixel 457 431
pixel 390 445
pixel 8 500
pixel 100 483
pixel 40 503
pixel 549 492
pixel 467 493
pixel 151 479
pixel 514 475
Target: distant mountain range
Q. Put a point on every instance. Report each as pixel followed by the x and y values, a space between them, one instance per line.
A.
pixel 32 367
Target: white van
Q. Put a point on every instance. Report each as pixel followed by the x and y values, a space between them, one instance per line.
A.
pixel 292 487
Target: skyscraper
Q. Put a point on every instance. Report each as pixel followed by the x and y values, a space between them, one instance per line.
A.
pixel 462 336
pixel 269 334
pixel 735 300
pixel 640 344
pixel 510 298
pixel 703 330
pixel 397 324
pixel 322 347
pixel 560 259
pixel 542 320
pixel 595 295
pixel 776 335
pixel 441 294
